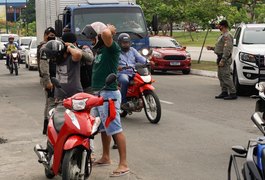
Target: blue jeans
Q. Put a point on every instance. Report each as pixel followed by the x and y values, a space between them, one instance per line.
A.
pixel 124 80
pixel 102 112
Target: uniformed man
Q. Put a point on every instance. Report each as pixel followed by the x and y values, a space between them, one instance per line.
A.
pixel 223 49
pixel 47 69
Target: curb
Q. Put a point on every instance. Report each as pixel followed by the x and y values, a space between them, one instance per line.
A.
pixel 212 74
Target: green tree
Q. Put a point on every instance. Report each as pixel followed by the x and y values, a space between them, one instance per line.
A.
pixel 29 13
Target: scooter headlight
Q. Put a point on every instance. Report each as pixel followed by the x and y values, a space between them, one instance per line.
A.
pixel 79 105
pixel 14 55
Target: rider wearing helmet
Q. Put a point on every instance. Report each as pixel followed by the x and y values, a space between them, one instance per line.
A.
pixel 9 47
pixel 128 58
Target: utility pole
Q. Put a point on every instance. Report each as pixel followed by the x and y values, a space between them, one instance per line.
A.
pixel 27 27
pixel 6 19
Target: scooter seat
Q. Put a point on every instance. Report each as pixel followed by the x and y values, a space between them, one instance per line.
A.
pixel 58 118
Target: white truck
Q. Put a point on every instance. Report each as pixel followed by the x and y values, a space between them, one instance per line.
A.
pixel 124 14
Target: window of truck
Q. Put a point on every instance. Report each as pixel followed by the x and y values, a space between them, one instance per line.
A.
pixel 124 19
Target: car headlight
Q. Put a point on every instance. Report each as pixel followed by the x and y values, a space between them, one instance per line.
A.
pixel 188 55
pixel 79 105
pixel 33 55
pixel 247 57
pixel 157 54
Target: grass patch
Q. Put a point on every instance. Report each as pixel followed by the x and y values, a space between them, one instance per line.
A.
pixel 185 40
pixel 204 65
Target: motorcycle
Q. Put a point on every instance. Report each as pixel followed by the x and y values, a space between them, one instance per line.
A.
pixel 13 62
pixel 69 132
pixel 141 95
pixel 254 155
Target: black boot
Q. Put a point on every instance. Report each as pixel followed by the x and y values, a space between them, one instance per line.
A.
pixel 222 95
pixel 45 125
pixel 231 96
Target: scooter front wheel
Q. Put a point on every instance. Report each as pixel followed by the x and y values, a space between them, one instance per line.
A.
pixel 152 107
pixel 16 68
pixel 71 167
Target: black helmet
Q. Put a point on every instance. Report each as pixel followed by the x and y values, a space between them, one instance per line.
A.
pixel 54 49
pixel 123 38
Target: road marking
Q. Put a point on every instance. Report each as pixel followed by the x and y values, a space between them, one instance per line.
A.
pixel 166 102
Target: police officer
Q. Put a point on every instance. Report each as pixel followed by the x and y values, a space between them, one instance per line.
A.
pixel 47 69
pixel 223 49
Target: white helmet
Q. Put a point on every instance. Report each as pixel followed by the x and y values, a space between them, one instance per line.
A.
pixel 93 31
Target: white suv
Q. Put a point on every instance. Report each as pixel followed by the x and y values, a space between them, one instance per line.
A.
pixel 249 49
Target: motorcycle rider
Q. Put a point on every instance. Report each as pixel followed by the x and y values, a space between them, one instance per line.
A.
pixel 47 69
pixel 105 63
pixel 9 47
pixel 128 57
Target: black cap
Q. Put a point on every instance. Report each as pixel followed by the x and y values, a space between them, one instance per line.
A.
pixel 48 30
pixel 69 37
pixel 224 23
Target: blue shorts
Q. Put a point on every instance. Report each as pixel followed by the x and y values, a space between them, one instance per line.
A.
pixel 102 112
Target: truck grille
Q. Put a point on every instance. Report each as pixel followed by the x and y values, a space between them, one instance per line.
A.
pixel 175 57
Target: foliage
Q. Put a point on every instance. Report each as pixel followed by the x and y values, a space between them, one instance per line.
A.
pixel 28 14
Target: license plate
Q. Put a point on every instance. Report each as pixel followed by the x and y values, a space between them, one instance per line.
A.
pixel 174 63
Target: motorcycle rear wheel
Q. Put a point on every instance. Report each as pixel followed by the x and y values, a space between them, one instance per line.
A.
pixel 71 166
pixel 153 112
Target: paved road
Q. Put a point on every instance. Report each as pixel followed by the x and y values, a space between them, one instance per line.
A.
pixel 192 140
pixel 206 55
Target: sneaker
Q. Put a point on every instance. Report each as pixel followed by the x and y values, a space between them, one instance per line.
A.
pixel 222 95
pixel 115 146
pixel 231 96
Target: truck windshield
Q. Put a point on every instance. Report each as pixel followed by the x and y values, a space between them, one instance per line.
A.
pixel 124 19
pixel 254 36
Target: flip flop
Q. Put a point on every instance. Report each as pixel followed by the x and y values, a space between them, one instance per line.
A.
pixel 99 164
pixel 120 173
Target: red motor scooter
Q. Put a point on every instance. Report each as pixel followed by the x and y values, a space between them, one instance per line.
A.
pixel 141 94
pixel 69 131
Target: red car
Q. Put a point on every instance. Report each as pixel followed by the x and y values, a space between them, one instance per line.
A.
pixel 169 55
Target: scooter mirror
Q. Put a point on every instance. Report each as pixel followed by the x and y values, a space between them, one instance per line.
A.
pixel 110 79
pixel 258 121
pixel 55 82
pixel 239 149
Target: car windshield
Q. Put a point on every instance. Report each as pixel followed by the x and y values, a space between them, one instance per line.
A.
pixel 254 36
pixel 129 20
pixel 5 38
pixel 25 42
pixel 164 43
pixel 33 44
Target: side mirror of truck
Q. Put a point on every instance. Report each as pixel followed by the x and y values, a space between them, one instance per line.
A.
pixel 59 28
